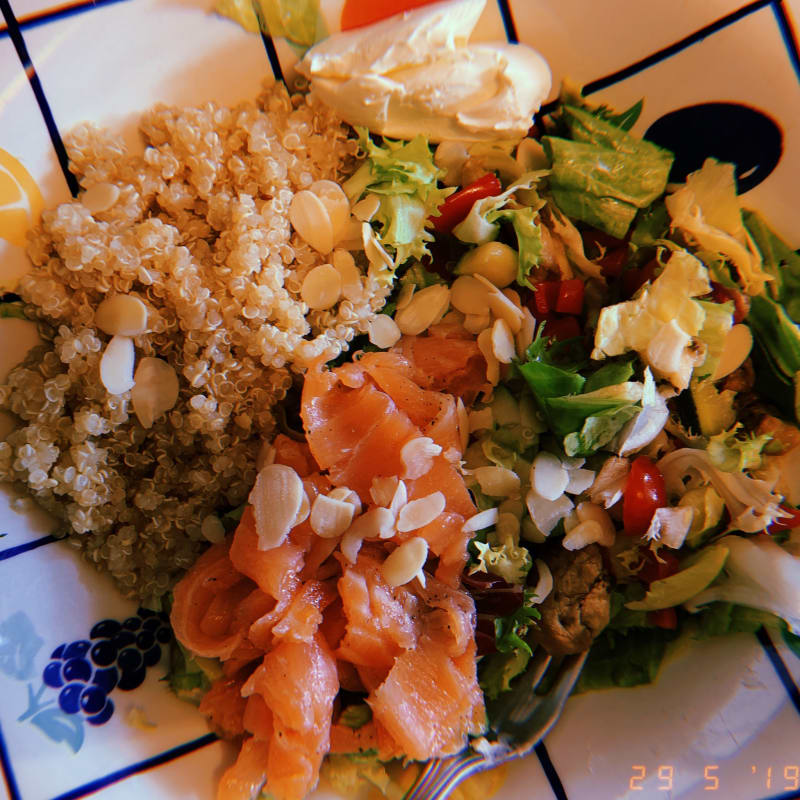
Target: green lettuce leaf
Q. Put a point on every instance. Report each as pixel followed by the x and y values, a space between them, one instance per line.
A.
pixel 603 175
pixel 779 260
pixel 405 179
pixel 497 670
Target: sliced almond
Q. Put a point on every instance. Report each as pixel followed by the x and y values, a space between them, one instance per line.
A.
pixel 549 476
pixel 545 583
pixel 322 287
pixel 375 252
pixel 336 204
pixel 469 295
pixel 418 513
pixel 404 295
pixel 155 390
pixel 399 498
pixel 425 308
pixel 384 331
pixel 100 197
pixel 497 481
pixel 330 517
pixel 417 456
pixel 503 342
pixel 266 455
pixel 475 323
pixel 366 208
pixel 344 263
pixel 463 424
pixel 502 306
pixel 406 562
pixel 737 346
pixel 583 534
pixel 383 489
pixel 591 511
pixel 483 519
pixel 377 523
pixel 121 315
pixel 116 365
pixel 304 511
pixel 311 220
pixel 492 364
pixel 545 513
pixel 276 497
pixel 580 480
pixel 348 495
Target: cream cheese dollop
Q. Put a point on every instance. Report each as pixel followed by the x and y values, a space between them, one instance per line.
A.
pixel 416 72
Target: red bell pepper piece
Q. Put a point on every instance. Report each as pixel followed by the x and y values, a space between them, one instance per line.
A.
pixel 545 297
pixel 570 296
pixel 456 207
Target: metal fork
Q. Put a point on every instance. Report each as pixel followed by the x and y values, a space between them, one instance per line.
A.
pixel 518 720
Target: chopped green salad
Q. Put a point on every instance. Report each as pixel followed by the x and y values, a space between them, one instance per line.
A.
pixel 650 416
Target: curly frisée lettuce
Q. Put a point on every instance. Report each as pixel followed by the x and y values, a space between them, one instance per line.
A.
pixel 404 179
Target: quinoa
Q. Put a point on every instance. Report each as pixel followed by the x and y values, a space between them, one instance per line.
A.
pixel 200 234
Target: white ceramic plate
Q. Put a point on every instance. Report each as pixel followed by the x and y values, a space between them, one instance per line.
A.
pixel 722 720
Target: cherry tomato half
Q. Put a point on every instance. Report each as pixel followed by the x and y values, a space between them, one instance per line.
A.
pixel 644 493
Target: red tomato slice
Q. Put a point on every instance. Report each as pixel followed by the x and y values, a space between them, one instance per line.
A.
pixel 356 13
pixel 458 205
pixel 644 493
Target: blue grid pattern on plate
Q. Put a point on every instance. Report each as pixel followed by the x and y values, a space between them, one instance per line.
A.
pixel 14 28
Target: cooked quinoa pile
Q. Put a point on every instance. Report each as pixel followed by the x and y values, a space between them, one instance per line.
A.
pixel 199 232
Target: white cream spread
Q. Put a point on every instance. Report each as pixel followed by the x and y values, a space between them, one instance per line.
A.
pixel 417 73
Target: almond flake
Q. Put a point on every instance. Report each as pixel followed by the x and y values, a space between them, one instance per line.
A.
pixel 524 335
pixel 384 331
pixel 116 365
pixel 406 562
pixel 336 204
pixel 463 424
pixel 377 523
pixel 484 342
pixel 382 489
pixel 322 287
pixel 549 476
pixel 417 456
pixel 348 495
pixel 425 308
pixel 583 534
pixel 497 481
pixel 310 218
pixel 475 323
pixel 503 342
pixel 545 583
pixel 121 314
pixel 155 390
pixel 399 498
pixel 418 513
pixel 501 306
pixel 100 197
pixel 330 517
pixel 477 522
pixel 469 295
pixel 276 497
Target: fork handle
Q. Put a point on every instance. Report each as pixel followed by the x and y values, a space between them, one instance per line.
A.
pixel 441 775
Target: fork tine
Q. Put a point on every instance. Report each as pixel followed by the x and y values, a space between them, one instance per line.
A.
pixel 546 708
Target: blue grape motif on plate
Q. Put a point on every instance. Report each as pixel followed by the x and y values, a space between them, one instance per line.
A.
pixel 115 656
